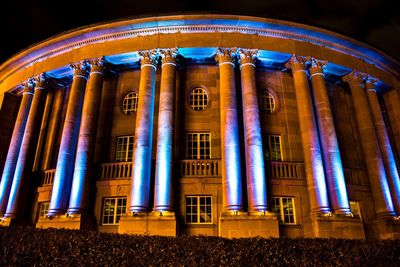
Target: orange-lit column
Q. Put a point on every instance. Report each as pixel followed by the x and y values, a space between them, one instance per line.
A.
pixel 314 167
pixel 384 143
pixel 329 145
pixel 23 169
pixel 14 148
pixel 140 182
pixel 231 170
pixel 255 169
pixel 66 155
pixel 369 142
pixel 78 201
pixel 165 133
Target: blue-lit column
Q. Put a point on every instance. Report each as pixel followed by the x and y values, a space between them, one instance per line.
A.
pixel 78 201
pixel 384 143
pixel 255 169
pixel 23 169
pixel 231 171
pixel 369 143
pixel 330 148
pixel 15 144
pixel 163 179
pixel 314 167
pixel 69 139
pixel 140 182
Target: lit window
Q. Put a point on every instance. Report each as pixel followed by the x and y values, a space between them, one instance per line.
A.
pixel 124 149
pixel 198 209
pixel 113 208
pixel 273 148
pixel 198 146
pixel 284 209
pixel 198 99
pixel 43 209
pixel 130 103
pixel 267 102
pixel 355 208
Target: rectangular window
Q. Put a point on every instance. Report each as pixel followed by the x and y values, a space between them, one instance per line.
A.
pixel 273 148
pixel 113 208
pixel 284 209
pixel 43 209
pixel 355 208
pixel 198 146
pixel 198 209
pixel 124 148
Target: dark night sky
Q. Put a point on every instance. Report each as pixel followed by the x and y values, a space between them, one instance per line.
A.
pixel 26 22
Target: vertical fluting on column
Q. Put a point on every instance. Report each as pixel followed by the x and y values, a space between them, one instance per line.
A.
pixel 66 155
pixel 334 173
pixel 140 182
pixel 384 143
pixel 165 133
pixel 78 201
pixel 255 169
pixel 231 170
pixel 15 144
pixel 372 154
pixel 313 162
pixel 23 169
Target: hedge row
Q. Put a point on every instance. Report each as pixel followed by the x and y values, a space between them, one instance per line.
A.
pixel 29 246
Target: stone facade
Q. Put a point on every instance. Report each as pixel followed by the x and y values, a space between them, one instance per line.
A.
pixel 202 128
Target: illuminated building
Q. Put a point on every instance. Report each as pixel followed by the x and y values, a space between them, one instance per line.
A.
pixel 202 124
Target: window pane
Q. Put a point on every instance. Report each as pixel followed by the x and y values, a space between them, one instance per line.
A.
pixel 198 209
pixel 198 99
pixel 113 208
pixel 130 103
pixel 124 148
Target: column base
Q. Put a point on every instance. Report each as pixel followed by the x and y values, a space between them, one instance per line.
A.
pixel 153 223
pixel 6 222
pixel 333 226
pixel 65 221
pixel 244 224
pixel 386 228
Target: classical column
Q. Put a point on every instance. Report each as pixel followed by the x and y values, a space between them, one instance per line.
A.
pixel 15 144
pixel 384 143
pixel 314 167
pixel 140 182
pixel 78 201
pixel 66 155
pixel 330 148
pixel 23 169
pixel 369 142
pixel 231 171
pixel 255 169
pixel 165 133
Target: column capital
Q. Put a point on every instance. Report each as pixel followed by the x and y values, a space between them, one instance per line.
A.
pixel 168 56
pixel 149 58
pixel 370 83
pixel 80 69
pixel 40 81
pixel 317 66
pixel 27 86
pixel 297 63
pixel 96 65
pixel 247 56
pixel 226 56
pixel 355 77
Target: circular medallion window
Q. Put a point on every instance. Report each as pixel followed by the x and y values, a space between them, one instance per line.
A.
pixel 130 103
pixel 268 103
pixel 198 99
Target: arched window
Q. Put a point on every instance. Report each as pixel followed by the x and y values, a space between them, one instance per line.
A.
pixel 198 99
pixel 268 103
pixel 130 103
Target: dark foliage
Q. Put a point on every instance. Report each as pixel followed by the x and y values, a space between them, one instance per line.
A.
pixel 28 246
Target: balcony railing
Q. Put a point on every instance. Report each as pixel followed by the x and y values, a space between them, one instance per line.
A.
pixel 286 169
pixel 356 176
pixel 201 168
pixel 47 177
pixel 115 170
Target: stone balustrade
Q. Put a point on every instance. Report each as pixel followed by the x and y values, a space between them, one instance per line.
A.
pixel 115 170
pixel 201 168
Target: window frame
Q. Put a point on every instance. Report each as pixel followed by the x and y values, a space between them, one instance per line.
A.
pixel 201 107
pixel 268 146
pixel 357 203
pixel 41 204
pixel 115 215
pixel 126 148
pixel 198 209
pixel 135 104
pixel 198 148
pixel 281 215
pixel 268 94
